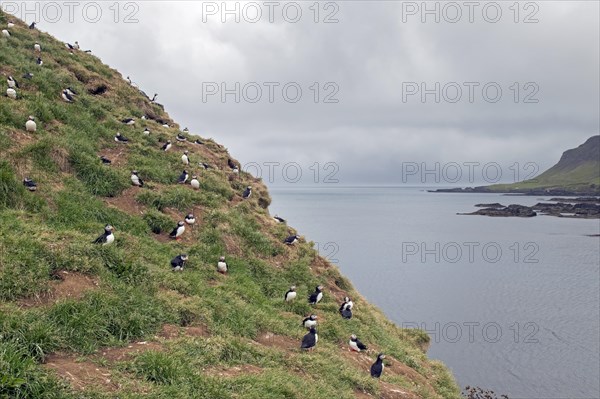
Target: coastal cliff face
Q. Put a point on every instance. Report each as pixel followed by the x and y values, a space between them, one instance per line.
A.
pixel 576 173
pixel 85 320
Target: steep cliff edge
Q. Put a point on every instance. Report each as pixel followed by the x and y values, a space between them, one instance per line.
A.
pixel 79 319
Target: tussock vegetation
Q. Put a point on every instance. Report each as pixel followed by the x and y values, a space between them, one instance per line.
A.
pixel 50 231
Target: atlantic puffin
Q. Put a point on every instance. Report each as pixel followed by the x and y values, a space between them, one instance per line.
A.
pixel 190 219
pixel 247 192
pixel 12 83
pixel 107 238
pixel 119 138
pixel 291 240
pixel 39 61
pixel 310 321
pixel 186 130
pixel 66 96
pixel 278 219
pixel 32 25
pixel 199 142
pixel 204 165
pixel 232 165
pixel 105 160
pixel 128 121
pixel 178 262
pixel 5 33
pixel 167 146
pixel 183 177
pixel 29 184
pixel 11 93
pixel 30 125
pixel 37 47
pixel 346 308
pixel 146 131
pixel 135 179
pixel 378 366
pixel 178 231
pixel 10 24
pixel 222 265
pixel 310 340
pixel 184 158
pixel 356 345
pixel 195 183
pixel 181 137
pixel 291 294
pixel 316 296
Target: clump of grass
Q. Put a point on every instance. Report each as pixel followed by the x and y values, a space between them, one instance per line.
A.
pixel 157 367
pixel 14 195
pixel 97 178
pixel 158 221
pixel 21 378
pixel 180 197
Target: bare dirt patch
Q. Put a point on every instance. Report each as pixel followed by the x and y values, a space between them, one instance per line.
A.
pixel 389 391
pixel 70 285
pixel 277 341
pixel 129 351
pixel 172 331
pixel 234 371
pixel 81 375
pixel 364 360
pixel 126 202
pixel 117 155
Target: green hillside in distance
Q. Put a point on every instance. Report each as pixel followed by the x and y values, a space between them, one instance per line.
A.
pixel 85 320
pixel 577 172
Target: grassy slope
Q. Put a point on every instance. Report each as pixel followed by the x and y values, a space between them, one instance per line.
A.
pixel 45 233
pixel 577 170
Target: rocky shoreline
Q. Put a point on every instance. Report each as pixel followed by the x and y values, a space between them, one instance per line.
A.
pixel 577 208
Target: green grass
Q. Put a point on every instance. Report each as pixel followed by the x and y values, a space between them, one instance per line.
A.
pixel 51 230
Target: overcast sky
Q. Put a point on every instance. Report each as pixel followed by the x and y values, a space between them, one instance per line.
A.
pixel 373 62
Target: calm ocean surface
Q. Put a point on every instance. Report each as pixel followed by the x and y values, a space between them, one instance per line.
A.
pixel 510 304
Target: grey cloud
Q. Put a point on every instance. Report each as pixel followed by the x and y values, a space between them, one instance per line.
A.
pixel 369 54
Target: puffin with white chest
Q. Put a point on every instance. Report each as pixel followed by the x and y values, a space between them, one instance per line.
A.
pixel 195 183
pixel 346 308
pixel 178 231
pixel 12 83
pixel 167 146
pixel 356 345
pixel 291 294
pixel 107 237
pixel 222 265
pixel 316 296
pixel 310 321
pixel 119 138
pixel 183 177
pixel 136 180
pixel 66 96
pixel 30 125
pixel 185 159
pixel 190 219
